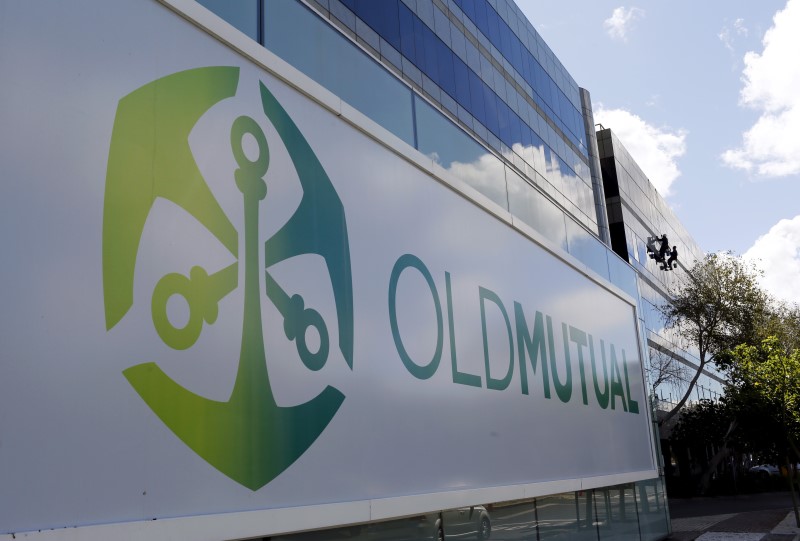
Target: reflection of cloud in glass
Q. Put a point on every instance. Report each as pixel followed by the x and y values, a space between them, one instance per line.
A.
pixel 486 174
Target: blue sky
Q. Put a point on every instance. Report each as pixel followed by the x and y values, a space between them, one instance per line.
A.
pixel 706 97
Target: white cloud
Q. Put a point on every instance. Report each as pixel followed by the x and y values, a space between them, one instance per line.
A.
pixel 726 35
pixel 621 21
pixel 778 254
pixel 654 149
pixel 740 28
pixel 771 147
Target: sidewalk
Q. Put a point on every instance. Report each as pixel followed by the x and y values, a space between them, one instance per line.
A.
pixel 757 517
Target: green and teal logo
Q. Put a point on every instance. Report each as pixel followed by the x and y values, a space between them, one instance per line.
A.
pixel 249 437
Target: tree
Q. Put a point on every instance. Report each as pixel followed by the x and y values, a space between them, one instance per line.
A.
pixel 704 429
pixel 768 374
pixel 717 305
pixel 663 369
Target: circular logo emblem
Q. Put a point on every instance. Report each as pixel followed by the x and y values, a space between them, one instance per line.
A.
pixel 249 437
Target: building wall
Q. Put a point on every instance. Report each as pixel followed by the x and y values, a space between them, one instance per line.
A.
pixel 491 167
pixel 495 107
pixel 637 211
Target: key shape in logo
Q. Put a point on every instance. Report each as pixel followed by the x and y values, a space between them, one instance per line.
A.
pixel 248 437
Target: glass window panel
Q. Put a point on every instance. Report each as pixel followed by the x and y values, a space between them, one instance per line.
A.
pixel 493 25
pixel 505 40
pixel 587 248
pixel 516 133
pixel 424 11
pixel 441 24
pixel 565 517
pixel 504 118
pixel 431 62
pixel 457 152
pixel 472 522
pixel 305 41
pixel 473 57
pixel 512 521
pixel 490 103
pixel 462 84
pixel 243 15
pixel 481 18
pixel 468 7
pixel 529 205
pixel 652 506
pixel 419 43
pixel 424 527
pixel 517 55
pixel 476 108
pixel 616 513
pixel 406 32
pixel 459 43
pixel 622 275
pixel 447 77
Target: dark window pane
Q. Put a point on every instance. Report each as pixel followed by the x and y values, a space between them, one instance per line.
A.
pixel 494 25
pixel 419 44
pixel 382 17
pixel 462 84
pixel 481 20
pixel 477 109
pixel 504 121
pixel 468 7
pixel 447 77
pixel 431 66
pixel 505 39
pixel 490 103
pixel 406 32
pixel 516 129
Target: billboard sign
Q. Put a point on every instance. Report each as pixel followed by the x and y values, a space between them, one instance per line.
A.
pixel 229 299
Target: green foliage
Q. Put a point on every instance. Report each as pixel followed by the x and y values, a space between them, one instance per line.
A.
pixel 765 386
pixel 705 422
pixel 717 305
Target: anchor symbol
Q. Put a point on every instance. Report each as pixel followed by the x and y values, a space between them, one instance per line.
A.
pixel 248 437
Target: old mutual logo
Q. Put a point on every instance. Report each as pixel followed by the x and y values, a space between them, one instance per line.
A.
pixel 249 437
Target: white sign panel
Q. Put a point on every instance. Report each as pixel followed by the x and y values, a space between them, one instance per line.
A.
pixel 219 297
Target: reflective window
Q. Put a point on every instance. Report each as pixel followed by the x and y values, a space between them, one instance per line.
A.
pixel 461 73
pixel 652 505
pixel 473 522
pixel 513 521
pixel 457 152
pixel 423 527
pixel 406 20
pixel 565 517
pixel 612 513
pixel 383 17
pixel 295 34
pixel 622 275
pixel 243 15
pixel 533 208
pixel 587 248
pixel 616 513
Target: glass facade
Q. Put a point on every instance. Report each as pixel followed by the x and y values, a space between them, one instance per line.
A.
pixel 634 511
pixel 549 198
pixel 471 85
pixel 481 63
pixel 636 212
